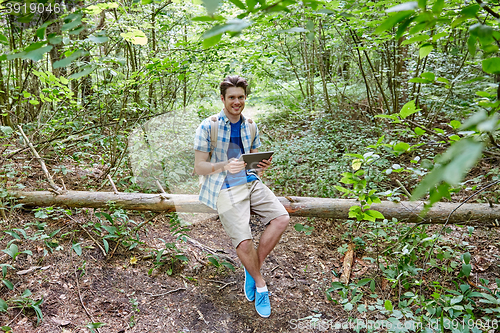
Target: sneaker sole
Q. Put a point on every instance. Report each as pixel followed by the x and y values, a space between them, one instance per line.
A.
pixel 244 289
pixel 262 315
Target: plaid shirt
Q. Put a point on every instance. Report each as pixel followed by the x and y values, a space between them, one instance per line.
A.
pixel 212 185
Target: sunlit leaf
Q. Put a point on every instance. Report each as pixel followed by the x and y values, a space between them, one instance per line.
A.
pixel 491 65
pixel 404 6
pixel 438 6
pixel 392 21
pixel 408 109
pixel 68 60
pixel 211 41
pixel 425 50
pixel 211 6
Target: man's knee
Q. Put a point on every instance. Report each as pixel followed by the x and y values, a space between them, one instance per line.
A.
pixel 281 221
pixel 245 245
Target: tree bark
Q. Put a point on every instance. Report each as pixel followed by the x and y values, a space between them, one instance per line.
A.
pixel 467 214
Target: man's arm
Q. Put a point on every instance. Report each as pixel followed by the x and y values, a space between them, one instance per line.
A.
pixel 203 167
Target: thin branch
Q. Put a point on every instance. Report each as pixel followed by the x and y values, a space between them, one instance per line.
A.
pixel 44 167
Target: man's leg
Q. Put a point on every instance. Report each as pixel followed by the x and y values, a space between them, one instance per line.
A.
pixel 249 258
pixel 271 237
pixel 253 259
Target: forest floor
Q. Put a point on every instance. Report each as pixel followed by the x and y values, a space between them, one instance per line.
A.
pixel 197 296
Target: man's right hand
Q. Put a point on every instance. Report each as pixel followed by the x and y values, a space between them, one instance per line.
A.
pixel 235 166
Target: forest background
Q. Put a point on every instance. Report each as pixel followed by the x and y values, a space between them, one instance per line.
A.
pixel 368 100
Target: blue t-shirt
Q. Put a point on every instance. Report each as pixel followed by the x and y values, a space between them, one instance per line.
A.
pixel 235 150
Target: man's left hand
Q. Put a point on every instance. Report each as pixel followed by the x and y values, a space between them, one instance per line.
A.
pixel 263 165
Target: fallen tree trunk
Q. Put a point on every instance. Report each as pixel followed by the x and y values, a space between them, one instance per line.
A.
pixel 470 214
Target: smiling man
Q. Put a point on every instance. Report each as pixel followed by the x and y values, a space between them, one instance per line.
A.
pixel 234 191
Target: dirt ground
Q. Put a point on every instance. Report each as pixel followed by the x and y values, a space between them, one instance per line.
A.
pixel 197 297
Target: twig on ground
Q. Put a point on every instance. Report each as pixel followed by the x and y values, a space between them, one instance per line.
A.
pixel 112 184
pixel 56 188
pixel 17 315
pixel 208 249
pixel 166 293
pixel 224 284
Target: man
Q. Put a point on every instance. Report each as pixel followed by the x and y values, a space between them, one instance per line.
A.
pixel 234 191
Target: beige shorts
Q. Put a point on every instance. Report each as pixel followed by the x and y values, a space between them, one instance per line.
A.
pixel 234 205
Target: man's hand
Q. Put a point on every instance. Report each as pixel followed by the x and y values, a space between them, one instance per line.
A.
pixel 263 165
pixel 235 166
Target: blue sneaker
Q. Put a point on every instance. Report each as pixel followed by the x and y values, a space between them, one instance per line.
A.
pixel 262 304
pixel 249 286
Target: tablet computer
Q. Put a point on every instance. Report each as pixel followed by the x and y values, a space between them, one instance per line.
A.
pixel 253 159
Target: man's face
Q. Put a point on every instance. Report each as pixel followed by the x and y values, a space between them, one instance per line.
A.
pixel 234 101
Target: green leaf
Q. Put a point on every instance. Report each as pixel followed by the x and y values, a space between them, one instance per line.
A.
pixel 251 4
pixel 403 7
pixel 208 18
pixel 438 6
pixel 238 4
pixel 363 282
pixel 462 156
pixel 419 80
pixel 474 120
pixel 77 248
pixel 74 21
pixel 491 65
pixel 209 42
pixel 106 245
pixel 455 124
pixel 455 162
pixel 235 25
pixel 94 325
pixel 428 76
pixel 470 11
pixel 456 300
pixel 135 36
pixel 214 261
pixel 86 71
pixel 211 6
pixel 374 214
pixel 418 131
pixel 415 39
pixel 422 4
pixel 99 39
pixel 466 269
pixel 471 44
pixel 401 147
pixel 392 21
pixel 425 50
pixel 8 284
pixel 35 54
pixel 408 109
pixel 3 306
pixel 466 256
pixel 388 305
pixel 3 39
pixel 12 251
pixel 68 60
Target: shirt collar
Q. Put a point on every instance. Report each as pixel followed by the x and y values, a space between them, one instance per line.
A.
pixel 222 115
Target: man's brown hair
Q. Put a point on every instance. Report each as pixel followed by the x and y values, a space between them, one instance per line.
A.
pixel 233 81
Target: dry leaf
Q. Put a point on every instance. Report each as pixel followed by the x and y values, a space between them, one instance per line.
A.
pixel 61 322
